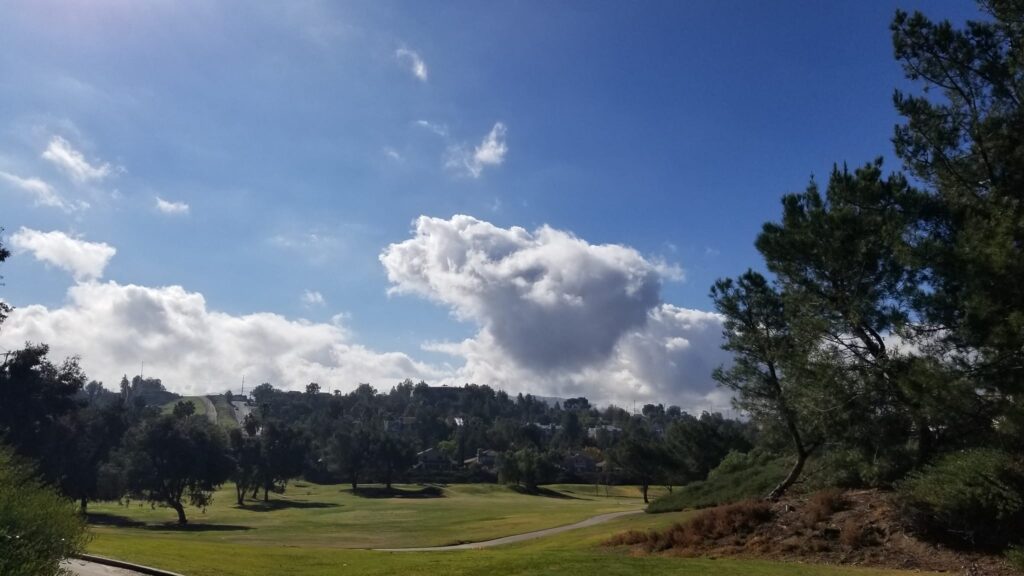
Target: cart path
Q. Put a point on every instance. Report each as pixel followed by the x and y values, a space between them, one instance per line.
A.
pixel 594 520
pixel 211 409
pixel 80 567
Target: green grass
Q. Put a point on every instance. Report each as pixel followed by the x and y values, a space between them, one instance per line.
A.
pixel 314 532
pixel 225 413
pixel 196 401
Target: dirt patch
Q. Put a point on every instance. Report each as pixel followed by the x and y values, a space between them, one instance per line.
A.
pixel 857 528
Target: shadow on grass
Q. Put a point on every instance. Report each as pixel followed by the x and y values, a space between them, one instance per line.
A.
pixel 102 519
pixel 545 492
pixel 283 505
pixel 174 527
pixel 382 492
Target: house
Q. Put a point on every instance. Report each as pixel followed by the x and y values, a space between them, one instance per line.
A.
pixel 579 464
pixel 608 430
pixel 486 459
pixel 433 460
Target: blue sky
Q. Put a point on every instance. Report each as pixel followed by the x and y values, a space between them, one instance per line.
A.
pixel 304 141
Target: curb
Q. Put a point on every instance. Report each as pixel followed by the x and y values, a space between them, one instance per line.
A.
pixel 125 565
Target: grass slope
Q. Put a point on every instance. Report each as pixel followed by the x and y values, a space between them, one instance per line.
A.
pixel 725 484
pixel 196 401
pixel 225 413
pixel 312 530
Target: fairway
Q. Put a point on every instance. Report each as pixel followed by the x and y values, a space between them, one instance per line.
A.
pixel 318 530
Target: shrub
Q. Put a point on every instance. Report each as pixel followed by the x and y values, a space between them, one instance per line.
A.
pixel 975 497
pixel 38 528
pixel 739 476
pixel 822 505
pixel 730 521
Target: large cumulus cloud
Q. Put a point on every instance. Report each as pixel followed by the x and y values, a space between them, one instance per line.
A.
pixel 558 315
pixel 114 327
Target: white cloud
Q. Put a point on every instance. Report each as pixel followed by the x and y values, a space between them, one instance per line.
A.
pixel 61 154
pixel 195 350
pixel 172 208
pixel 313 298
pixel 42 192
pixel 84 260
pixel 415 63
pixel 491 152
pixel 439 129
pixel 393 154
pixel 558 315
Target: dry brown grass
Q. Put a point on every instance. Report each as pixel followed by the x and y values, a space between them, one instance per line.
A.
pixel 822 505
pixel 730 521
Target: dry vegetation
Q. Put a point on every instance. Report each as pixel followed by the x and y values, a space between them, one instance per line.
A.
pixel 861 528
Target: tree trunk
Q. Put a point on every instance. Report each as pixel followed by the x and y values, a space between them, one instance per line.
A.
pixel 794 473
pixel 240 494
pixel 256 491
pixel 181 513
pixel 266 493
pixel 83 504
pixel 644 484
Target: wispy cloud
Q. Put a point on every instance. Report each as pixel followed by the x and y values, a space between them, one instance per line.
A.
pixel 42 192
pixel 84 260
pixel 439 129
pixel 414 62
pixel 313 298
pixel 393 154
pixel 171 208
pixel 490 152
pixel 63 155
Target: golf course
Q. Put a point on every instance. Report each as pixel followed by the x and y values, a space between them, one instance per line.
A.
pixel 314 530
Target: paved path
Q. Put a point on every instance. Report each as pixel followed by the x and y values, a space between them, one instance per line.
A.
pixel 211 410
pixel 241 410
pixel 83 568
pixel 519 537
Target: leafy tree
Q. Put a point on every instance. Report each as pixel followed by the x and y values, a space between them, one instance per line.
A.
pixel 184 409
pixel 641 455
pixel 171 461
pixel 765 374
pixel 35 394
pixel 282 450
pixel 245 450
pixel 392 455
pixel 38 528
pixel 349 453
pixel 963 138
pixel 5 308
pixel 88 438
pixel 840 258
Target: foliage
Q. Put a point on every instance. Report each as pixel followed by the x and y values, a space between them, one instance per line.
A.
pixel 173 460
pixel 38 528
pixel 738 477
pixel 975 496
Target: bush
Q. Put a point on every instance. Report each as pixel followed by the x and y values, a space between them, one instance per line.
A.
pixel 38 528
pixel 739 476
pixel 730 521
pixel 822 505
pixel 975 497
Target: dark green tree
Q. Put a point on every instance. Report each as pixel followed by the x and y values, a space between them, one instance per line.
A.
pixel 963 138
pixel 765 374
pixel 174 461
pixel 282 450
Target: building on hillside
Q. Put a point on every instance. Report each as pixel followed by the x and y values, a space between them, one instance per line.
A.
pixel 580 464
pixel 608 430
pixel 486 459
pixel 433 460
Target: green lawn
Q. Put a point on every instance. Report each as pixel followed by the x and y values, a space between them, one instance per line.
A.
pixel 225 413
pixel 196 401
pixel 315 530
